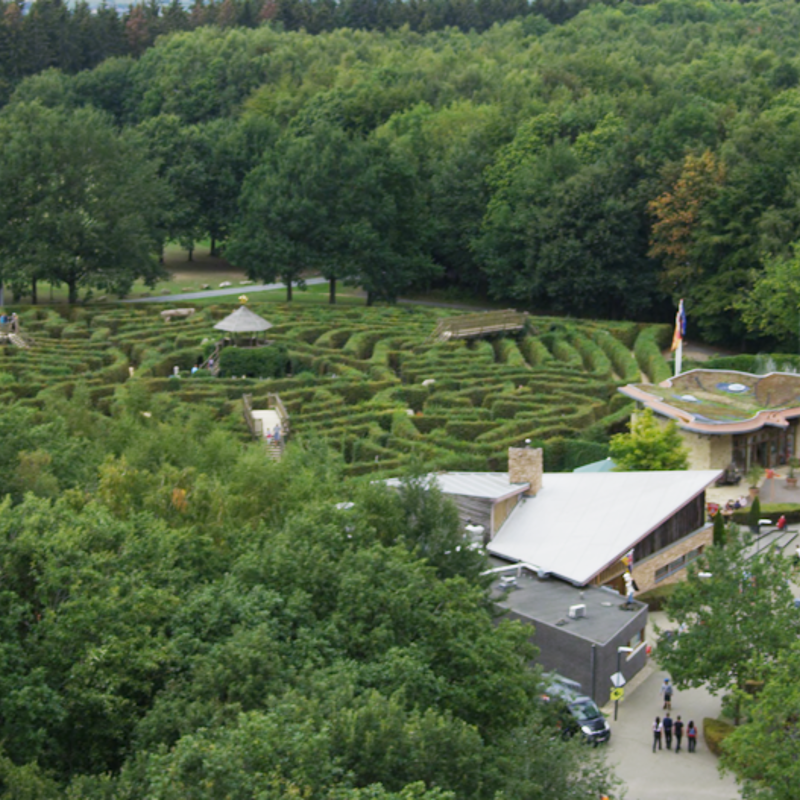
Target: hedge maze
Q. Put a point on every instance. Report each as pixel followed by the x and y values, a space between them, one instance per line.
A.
pixel 372 382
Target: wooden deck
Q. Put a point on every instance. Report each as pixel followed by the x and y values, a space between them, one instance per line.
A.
pixel 485 323
pixel 262 422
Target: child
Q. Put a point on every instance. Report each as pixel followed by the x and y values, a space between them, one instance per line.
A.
pixel 691 736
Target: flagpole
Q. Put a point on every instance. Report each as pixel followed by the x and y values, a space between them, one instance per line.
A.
pixel 678 337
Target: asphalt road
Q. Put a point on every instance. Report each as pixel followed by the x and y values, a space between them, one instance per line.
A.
pixel 237 290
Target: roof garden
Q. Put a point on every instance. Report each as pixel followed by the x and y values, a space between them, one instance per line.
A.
pixel 722 401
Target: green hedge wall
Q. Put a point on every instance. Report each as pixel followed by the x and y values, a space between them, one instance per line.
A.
pixel 254 362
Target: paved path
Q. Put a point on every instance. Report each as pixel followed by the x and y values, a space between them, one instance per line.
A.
pixel 269 287
pixel 664 775
pixel 261 287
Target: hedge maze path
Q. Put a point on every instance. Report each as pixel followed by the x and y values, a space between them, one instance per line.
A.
pixel 370 381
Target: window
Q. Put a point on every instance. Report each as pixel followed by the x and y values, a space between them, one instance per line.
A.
pixel 678 564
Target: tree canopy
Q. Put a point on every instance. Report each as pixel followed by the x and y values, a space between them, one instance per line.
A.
pixel 649 445
pixel 762 753
pixel 602 166
pixel 82 205
pixel 184 617
pixel 736 615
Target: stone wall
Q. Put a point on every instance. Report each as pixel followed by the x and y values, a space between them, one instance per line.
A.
pixel 501 510
pixel 644 572
pixel 525 465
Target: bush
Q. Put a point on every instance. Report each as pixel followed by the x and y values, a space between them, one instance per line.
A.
pixel 715 731
pixel 623 361
pixel 756 364
pixel 648 354
pixel 255 362
pixel 770 511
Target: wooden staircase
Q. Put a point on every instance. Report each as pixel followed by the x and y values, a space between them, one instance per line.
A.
pixel 275 413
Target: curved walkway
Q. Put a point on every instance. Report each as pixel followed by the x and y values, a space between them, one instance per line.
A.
pixel 664 775
pixel 261 287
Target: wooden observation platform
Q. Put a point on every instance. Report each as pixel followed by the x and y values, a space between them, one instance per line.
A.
pixel 484 323
pixel 269 425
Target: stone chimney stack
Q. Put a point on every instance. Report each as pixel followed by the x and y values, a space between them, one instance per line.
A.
pixel 525 465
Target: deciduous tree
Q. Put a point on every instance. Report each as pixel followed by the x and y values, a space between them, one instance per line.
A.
pixel 82 205
pixel 736 614
pixel 649 445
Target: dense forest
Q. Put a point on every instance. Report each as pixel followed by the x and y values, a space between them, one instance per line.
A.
pixel 600 167
pixel 594 168
pixel 185 618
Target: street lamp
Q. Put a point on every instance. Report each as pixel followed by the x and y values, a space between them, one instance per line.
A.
pixel 620 651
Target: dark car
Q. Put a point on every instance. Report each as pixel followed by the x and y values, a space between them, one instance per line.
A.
pixel 590 719
pixel 573 712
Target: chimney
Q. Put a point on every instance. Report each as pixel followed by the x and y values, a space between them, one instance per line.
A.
pixel 525 465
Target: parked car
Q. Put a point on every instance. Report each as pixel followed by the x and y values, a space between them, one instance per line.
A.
pixel 591 720
pixel 574 712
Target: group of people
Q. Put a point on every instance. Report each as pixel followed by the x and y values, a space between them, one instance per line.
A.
pixel 735 505
pixel 12 320
pixel 274 435
pixel 669 727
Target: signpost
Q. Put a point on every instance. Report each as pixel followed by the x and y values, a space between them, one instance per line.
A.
pixel 617 694
pixel 618 679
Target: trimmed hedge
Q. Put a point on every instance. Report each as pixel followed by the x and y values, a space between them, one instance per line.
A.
pixel 715 731
pixel 354 374
pixel 648 354
pixel 254 362
pixel 770 511
pixel 757 364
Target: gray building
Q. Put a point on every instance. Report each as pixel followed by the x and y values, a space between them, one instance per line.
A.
pixel 578 630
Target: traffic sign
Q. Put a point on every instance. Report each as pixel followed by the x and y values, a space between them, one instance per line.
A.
pixel 618 680
pixel 617 694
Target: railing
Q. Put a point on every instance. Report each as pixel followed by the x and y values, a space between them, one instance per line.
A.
pixel 274 403
pixel 469 326
pixel 247 407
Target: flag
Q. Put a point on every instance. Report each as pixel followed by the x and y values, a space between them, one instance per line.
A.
pixel 680 326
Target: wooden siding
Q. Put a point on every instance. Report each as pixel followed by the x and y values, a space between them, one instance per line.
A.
pixel 684 521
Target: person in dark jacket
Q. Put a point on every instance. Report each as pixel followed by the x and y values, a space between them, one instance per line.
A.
pixel 667 725
pixel 678 728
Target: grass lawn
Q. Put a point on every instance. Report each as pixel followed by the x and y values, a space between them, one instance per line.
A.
pixel 207 271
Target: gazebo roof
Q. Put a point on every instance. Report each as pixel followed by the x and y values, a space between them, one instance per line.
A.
pixel 243 320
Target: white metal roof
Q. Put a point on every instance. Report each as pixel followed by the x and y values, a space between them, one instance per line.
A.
pixel 487 485
pixel 582 522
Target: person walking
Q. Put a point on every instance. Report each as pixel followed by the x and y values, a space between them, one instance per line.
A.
pixel 666 691
pixel 666 723
pixel 691 736
pixel 678 728
pixel 657 734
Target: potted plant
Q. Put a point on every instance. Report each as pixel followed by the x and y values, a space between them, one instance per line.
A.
pixel 754 475
pixel 791 479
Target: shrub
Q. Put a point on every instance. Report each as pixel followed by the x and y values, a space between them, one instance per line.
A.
pixel 255 362
pixel 757 364
pixel 564 352
pixel 594 358
pixel 648 354
pixel 770 511
pixel 715 731
pixel 535 352
pixel 621 358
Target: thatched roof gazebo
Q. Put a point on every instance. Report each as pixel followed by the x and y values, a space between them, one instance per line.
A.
pixel 244 327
